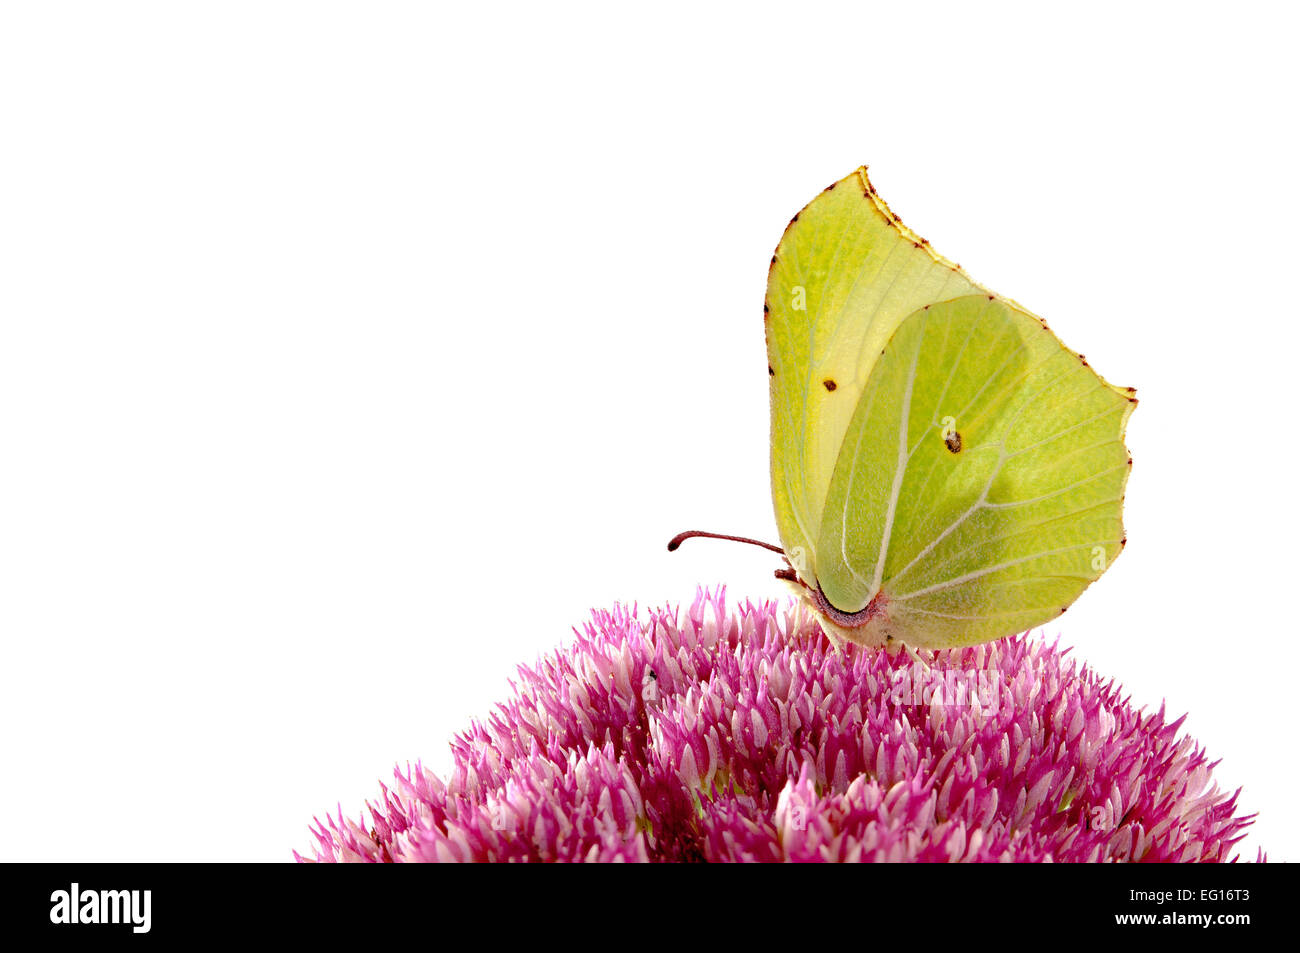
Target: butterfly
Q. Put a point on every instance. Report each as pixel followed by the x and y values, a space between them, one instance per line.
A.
pixel 945 471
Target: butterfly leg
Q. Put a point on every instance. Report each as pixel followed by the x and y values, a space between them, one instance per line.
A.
pixel 916 657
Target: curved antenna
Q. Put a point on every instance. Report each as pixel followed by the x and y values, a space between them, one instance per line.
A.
pixel 690 533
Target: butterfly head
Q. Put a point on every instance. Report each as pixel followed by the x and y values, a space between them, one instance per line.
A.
pixel 867 626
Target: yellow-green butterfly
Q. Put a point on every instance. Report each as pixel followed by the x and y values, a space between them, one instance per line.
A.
pixel 944 470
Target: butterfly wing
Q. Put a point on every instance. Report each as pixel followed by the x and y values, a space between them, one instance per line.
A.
pixel 968 534
pixel 845 275
pixel 979 484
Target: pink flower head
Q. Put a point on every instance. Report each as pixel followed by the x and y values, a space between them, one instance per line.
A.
pixel 748 736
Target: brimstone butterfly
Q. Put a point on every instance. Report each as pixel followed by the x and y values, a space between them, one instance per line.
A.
pixel 944 470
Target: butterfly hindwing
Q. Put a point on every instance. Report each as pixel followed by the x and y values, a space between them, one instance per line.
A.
pixel 979 484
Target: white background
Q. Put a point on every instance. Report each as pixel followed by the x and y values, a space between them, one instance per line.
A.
pixel 351 352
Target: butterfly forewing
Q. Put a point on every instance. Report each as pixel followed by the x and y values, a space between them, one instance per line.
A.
pixel 844 275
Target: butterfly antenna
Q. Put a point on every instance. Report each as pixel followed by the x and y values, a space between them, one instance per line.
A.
pixel 682 537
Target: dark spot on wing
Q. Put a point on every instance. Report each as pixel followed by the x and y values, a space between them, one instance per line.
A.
pixel 829 384
pixel 770 372
pixel 952 440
